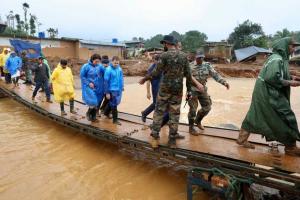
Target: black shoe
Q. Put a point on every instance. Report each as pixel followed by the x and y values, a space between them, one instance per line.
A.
pixel 144 118
pixel 88 115
pixel 94 115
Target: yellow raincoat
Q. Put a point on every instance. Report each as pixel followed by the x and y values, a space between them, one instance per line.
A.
pixel 63 84
pixel 3 59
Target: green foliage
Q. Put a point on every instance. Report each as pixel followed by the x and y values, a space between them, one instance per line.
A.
pixel 32 25
pixel 281 34
pixel 53 33
pixel 193 40
pixel 248 34
pixel 177 35
pixel 25 8
pixel 15 32
pixel 154 41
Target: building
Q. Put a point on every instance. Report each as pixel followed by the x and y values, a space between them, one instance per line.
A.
pixel 217 51
pixel 252 54
pixel 71 48
pixel 134 48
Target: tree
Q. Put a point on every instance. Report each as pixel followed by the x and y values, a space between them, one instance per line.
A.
pixel 248 34
pixel 176 35
pixel 193 40
pixel 154 42
pixel 32 25
pixel 53 33
pixel 134 39
pixel 19 27
pixel 25 8
pixel 141 39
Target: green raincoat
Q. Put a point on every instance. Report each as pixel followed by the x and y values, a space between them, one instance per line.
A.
pixel 270 113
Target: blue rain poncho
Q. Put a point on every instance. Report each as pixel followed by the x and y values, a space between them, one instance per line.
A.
pixel 90 73
pixel 13 64
pixel 114 84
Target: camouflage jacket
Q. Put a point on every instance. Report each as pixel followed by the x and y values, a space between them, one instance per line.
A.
pixel 202 72
pixel 174 66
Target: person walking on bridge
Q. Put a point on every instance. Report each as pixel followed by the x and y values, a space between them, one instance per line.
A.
pixel 63 86
pixel 155 81
pixel 92 85
pixel 41 79
pixel 3 57
pixel 175 66
pixel 270 112
pixel 113 87
pixel 13 65
pixel 201 71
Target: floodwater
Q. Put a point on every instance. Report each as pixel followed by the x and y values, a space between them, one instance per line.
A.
pixel 42 160
pixel 229 107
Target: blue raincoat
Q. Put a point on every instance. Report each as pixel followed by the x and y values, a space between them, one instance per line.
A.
pixel 13 64
pixel 90 73
pixel 114 84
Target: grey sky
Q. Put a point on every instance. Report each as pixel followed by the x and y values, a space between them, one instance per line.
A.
pixel 124 19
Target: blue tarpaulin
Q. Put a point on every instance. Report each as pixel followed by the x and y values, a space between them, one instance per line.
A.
pixel 32 50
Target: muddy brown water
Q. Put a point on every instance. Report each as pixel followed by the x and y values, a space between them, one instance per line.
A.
pixel 42 160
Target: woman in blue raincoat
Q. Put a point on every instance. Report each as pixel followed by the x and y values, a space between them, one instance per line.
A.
pixel 13 65
pixel 113 86
pixel 91 75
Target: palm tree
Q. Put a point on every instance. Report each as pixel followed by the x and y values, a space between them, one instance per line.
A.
pixel 32 26
pixel 25 8
pixel 52 32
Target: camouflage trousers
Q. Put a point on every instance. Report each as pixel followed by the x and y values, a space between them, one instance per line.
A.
pixel 205 102
pixel 170 103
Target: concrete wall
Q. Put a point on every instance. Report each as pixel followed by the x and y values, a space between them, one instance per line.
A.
pixel 86 50
pixel 70 49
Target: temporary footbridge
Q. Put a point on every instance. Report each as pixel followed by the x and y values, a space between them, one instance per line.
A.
pixel 215 148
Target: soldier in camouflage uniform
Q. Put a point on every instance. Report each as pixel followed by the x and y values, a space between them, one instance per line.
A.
pixel 174 66
pixel 201 71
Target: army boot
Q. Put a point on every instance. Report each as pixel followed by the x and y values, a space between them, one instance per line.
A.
pixel 198 120
pixel 243 139
pixel 292 150
pixel 172 141
pixel 154 140
pixel 192 130
pixel 178 136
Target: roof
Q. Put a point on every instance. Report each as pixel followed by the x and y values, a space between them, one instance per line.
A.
pixel 92 42
pixel 133 42
pixel 222 43
pixel 242 54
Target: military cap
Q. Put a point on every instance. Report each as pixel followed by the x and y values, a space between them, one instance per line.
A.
pixel 168 39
